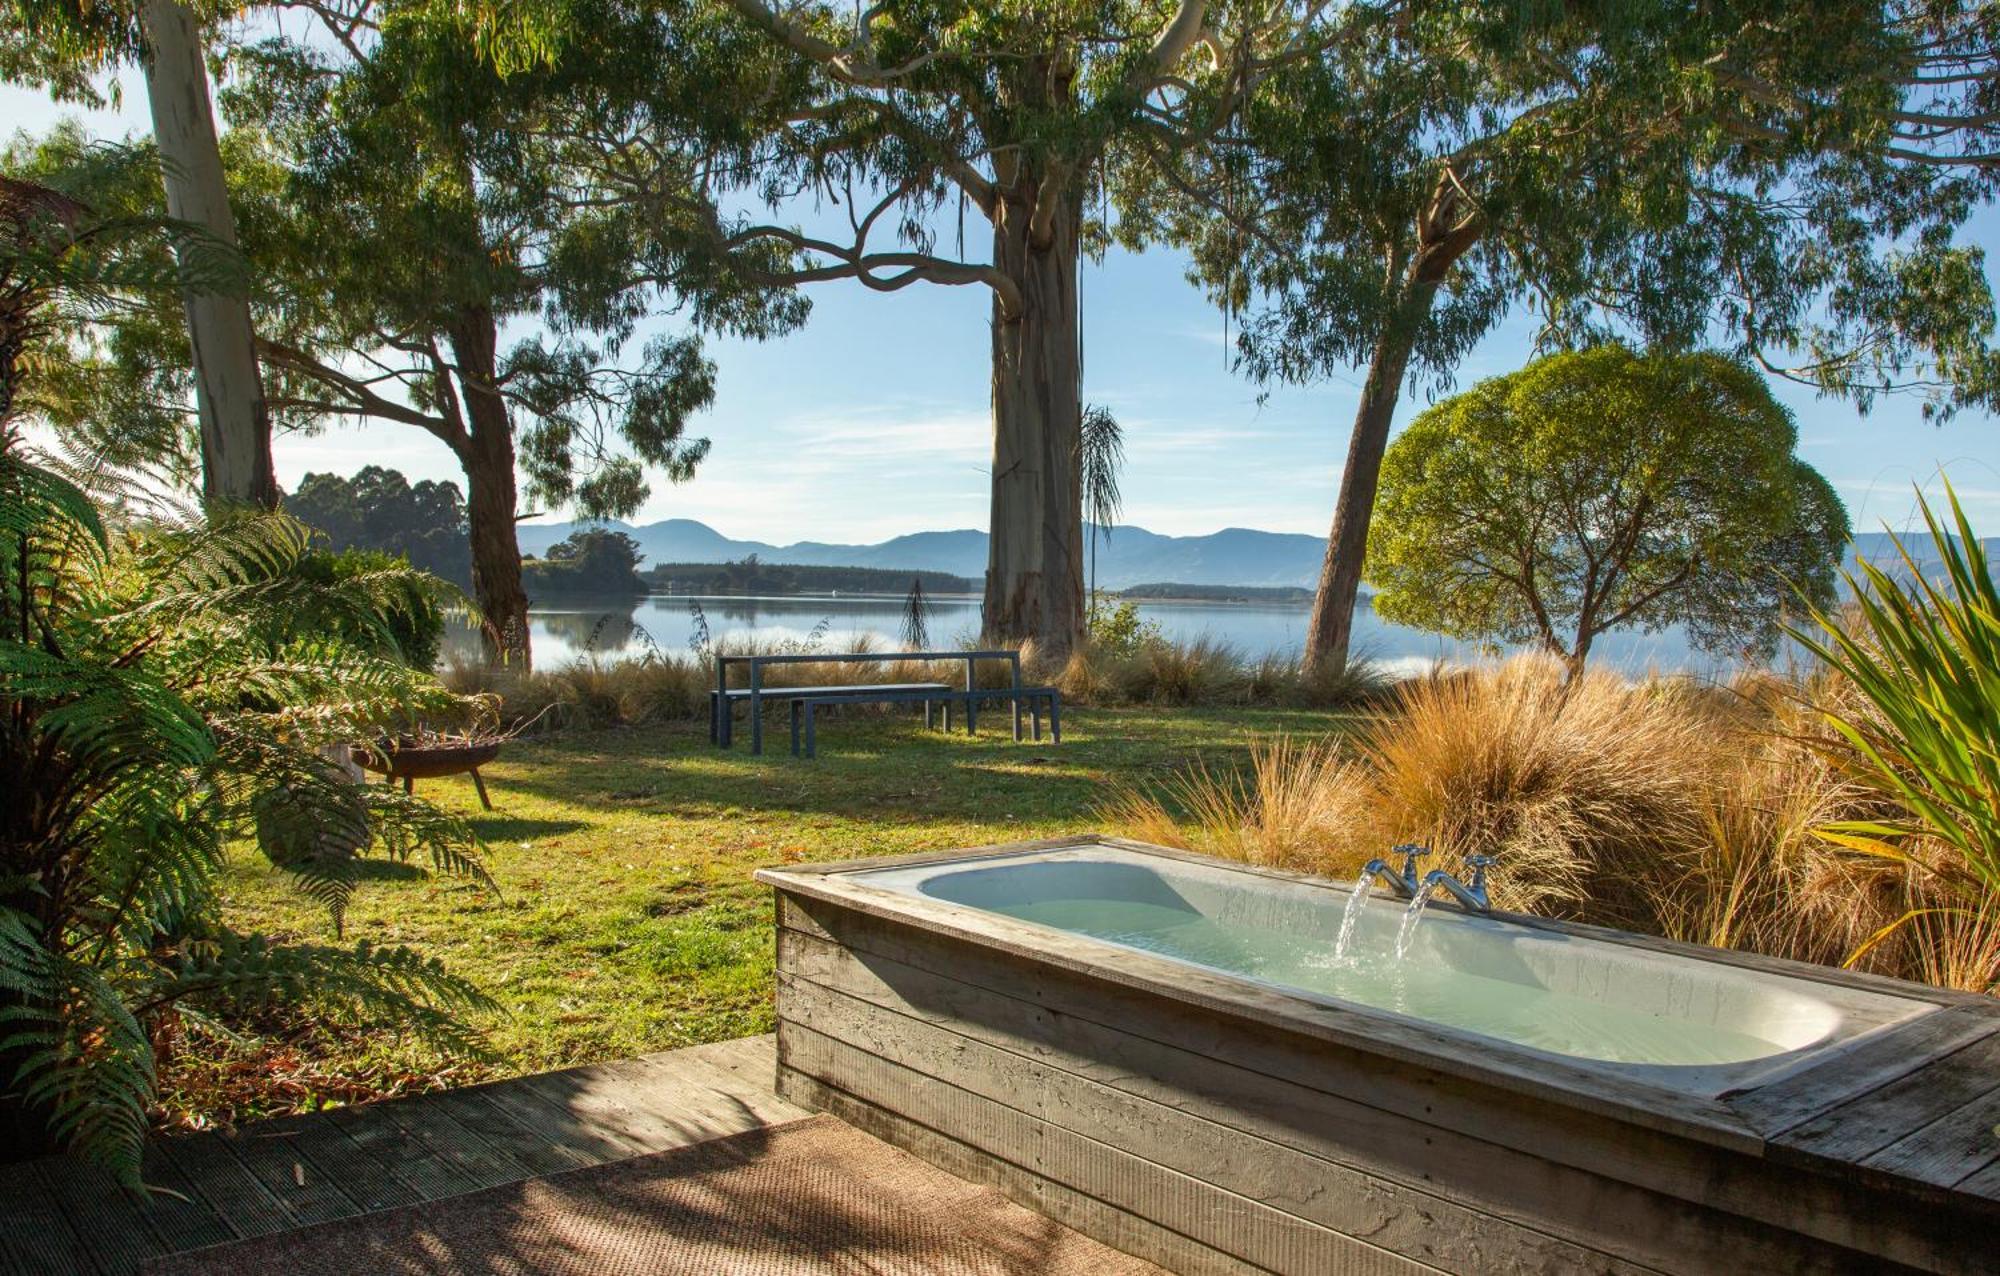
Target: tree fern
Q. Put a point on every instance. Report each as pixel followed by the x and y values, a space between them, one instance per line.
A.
pixel 162 689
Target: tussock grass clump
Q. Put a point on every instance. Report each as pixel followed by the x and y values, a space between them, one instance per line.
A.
pixel 1206 671
pixel 1661 806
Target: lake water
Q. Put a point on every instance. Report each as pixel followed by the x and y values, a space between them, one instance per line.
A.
pixel 624 627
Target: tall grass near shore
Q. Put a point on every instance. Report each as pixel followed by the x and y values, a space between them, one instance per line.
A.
pixel 1665 806
pixel 661 686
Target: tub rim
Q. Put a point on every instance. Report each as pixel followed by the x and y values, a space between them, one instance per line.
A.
pixel 1437 1048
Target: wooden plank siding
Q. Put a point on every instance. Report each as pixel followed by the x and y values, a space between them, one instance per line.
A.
pixel 59 1217
pixel 1131 1104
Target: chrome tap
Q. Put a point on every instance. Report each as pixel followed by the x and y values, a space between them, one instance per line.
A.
pixel 1472 896
pixel 1404 883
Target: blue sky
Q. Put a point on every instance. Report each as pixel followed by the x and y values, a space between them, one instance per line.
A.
pixel 872 421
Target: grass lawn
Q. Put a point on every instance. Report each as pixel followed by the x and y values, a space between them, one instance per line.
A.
pixel 627 920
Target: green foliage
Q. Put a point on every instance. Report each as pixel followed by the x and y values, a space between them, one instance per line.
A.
pixel 379 509
pixel 415 603
pixel 161 693
pixel 1926 658
pixel 104 360
pixel 1608 165
pixel 409 204
pixel 1117 629
pixel 1599 489
pixel 593 560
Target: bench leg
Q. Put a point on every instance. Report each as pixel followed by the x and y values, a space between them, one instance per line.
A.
pixel 1055 718
pixel 972 715
pixel 797 705
pixel 409 784
pixel 927 715
pixel 1035 714
pixel 480 784
pixel 757 724
pixel 812 744
pixel 1017 717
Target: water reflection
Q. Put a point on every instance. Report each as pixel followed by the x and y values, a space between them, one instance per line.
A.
pixel 623 626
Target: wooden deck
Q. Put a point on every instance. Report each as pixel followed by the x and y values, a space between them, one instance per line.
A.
pixel 58 1217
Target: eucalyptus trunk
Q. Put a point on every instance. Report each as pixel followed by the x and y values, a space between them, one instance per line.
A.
pixel 1034 573
pixel 1330 632
pixel 486 451
pixel 229 389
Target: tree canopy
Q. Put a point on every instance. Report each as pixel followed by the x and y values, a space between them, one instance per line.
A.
pixel 1785 181
pixel 1606 488
pixel 379 509
pixel 594 560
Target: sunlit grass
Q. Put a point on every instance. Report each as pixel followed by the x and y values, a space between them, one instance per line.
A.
pixel 627 920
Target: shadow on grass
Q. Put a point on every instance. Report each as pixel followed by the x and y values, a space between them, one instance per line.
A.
pixel 499 827
pixel 880 768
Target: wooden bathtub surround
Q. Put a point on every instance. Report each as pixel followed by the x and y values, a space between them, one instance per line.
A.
pixel 1213 1124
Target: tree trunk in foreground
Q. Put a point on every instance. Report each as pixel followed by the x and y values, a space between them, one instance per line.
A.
pixel 487 454
pixel 1331 629
pixel 1034 573
pixel 229 390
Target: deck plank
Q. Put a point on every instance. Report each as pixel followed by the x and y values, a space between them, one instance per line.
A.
pixel 1950 1149
pixel 272 1155
pixel 59 1217
pixel 175 1213
pixel 558 1126
pixel 451 1141
pixel 1856 1130
pixel 1881 1060
pixel 35 1238
pixel 117 1237
pixel 474 1109
pixel 222 1182
pixel 400 1155
pixel 328 1152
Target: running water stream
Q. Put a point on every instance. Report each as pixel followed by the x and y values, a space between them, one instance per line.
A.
pixel 1357 899
pixel 1411 916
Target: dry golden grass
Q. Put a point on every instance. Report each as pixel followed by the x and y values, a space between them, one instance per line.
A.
pixel 1660 806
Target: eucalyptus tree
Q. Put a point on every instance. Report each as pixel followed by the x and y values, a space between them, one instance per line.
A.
pixel 907 117
pixel 411 206
pixel 1787 180
pixel 62 46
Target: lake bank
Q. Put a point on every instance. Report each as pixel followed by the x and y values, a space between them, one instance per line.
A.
pixel 617 627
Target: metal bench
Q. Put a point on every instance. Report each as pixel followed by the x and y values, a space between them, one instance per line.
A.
pixel 805 711
pixel 722 704
pixel 723 700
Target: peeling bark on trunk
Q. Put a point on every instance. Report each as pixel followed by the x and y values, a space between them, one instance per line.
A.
pixel 229 390
pixel 1331 629
pixel 1034 573
pixel 487 455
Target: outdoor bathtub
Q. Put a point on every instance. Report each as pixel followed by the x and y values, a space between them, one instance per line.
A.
pixel 1164 1051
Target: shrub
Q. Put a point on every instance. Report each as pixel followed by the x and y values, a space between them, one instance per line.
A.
pixel 1924 729
pixel 413 604
pixel 157 697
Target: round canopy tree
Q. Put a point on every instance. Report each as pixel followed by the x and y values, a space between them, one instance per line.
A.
pixel 1599 489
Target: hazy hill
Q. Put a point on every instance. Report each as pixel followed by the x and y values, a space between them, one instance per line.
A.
pixel 1129 556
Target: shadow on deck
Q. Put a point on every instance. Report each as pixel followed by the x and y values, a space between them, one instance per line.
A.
pixel 58 1216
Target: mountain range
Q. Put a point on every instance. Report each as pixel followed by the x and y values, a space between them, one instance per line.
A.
pixel 1127 556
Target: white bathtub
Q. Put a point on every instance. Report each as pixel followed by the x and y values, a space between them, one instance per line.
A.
pixel 1700 1028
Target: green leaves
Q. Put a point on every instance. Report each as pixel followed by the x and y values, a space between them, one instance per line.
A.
pixel 1604 488
pixel 1924 653
pixel 160 691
